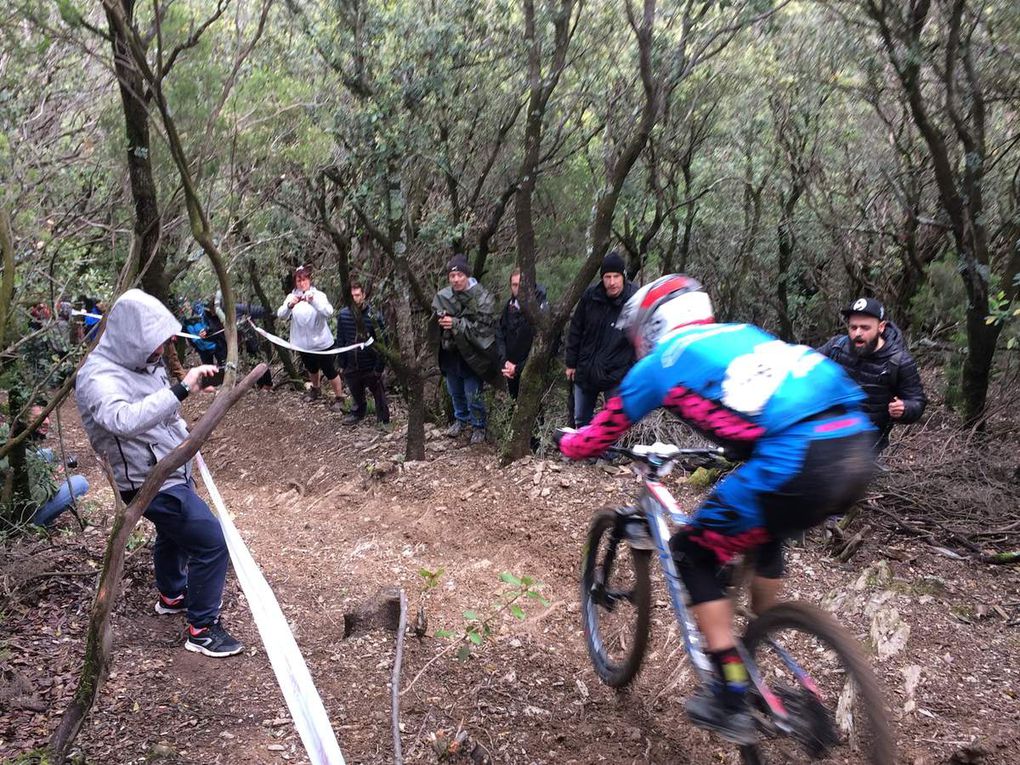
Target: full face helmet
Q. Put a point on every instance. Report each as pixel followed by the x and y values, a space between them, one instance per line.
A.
pixel 658 308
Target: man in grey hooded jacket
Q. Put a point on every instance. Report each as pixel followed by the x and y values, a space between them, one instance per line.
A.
pixel 132 417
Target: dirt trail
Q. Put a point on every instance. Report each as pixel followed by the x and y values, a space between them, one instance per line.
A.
pixel 329 534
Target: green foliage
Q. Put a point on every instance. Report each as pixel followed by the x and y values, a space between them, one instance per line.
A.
pixel 38 756
pixel 1004 311
pixel 138 538
pixel 478 626
pixel 941 301
pixel 430 578
pixel 408 119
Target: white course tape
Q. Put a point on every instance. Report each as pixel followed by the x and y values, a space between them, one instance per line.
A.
pixel 76 312
pixel 292 674
pixel 327 352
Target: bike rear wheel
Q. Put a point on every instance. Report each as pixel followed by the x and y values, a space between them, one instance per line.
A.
pixel 615 601
pixel 845 721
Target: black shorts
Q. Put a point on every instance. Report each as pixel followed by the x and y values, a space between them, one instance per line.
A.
pixel 812 478
pixel 320 362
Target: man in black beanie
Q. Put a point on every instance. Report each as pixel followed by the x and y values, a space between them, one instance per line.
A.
pixel 599 354
pixel 468 352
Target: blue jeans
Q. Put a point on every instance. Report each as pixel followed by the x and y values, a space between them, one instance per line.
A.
pixel 584 403
pixel 468 404
pixel 74 486
pixel 190 552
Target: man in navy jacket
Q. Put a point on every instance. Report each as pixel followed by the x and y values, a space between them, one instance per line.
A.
pixel 362 368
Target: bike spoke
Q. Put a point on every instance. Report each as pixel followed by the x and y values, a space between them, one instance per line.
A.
pixel 829 719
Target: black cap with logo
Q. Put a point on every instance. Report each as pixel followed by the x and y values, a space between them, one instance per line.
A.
pixel 867 306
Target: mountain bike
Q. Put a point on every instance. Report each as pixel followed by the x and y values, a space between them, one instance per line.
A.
pixel 811 689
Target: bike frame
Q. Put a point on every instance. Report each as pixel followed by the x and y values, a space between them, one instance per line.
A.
pixel 656 506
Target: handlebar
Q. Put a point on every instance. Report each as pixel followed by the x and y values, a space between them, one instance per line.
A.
pixel 658 455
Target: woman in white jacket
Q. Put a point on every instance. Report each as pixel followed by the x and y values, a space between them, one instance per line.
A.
pixel 309 311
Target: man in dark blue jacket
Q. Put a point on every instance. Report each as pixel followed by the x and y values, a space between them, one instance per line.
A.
pixel 362 368
pixel 515 335
pixel 599 354
pixel 874 354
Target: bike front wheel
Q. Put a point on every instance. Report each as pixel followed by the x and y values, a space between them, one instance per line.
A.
pixel 819 673
pixel 615 601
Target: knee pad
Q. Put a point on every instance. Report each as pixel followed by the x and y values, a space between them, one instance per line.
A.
pixel 704 579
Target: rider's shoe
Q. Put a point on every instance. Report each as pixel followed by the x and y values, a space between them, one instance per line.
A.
pixel 458 427
pixel 733 722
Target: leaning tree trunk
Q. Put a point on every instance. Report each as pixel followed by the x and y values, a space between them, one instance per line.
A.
pixel 534 379
pixel 139 160
pixel 98 642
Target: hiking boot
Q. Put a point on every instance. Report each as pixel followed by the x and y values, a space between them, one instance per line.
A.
pixel 178 605
pixel 312 394
pixel 456 429
pixel 212 641
pixel 734 723
pixel 337 406
pixel 351 419
pixel 477 436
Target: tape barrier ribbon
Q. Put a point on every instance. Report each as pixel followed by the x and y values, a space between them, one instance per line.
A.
pixel 292 674
pixel 326 352
pixel 76 312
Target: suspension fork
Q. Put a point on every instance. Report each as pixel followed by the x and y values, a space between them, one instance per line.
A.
pixel 656 518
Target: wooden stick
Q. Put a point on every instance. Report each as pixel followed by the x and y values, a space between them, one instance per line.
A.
pixel 398 757
pixel 98 644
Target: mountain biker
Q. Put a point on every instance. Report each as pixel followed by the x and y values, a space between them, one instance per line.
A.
pixel 791 413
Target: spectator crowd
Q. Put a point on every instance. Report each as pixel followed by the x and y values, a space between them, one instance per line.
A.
pixel 132 384
pixel 478 344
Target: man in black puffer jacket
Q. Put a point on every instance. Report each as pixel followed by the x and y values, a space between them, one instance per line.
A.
pixel 599 354
pixel 362 368
pixel 875 356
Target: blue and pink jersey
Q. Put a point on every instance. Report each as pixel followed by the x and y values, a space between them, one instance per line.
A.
pixel 734 383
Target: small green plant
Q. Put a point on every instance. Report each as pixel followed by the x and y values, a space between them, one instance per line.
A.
pixel 431 578
pixel 137 539
pixel 478 627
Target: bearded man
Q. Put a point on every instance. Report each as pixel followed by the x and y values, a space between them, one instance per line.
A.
pixel 873 352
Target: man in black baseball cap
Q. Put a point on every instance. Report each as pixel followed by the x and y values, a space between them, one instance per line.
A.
pixel 874 354
pixel 866 306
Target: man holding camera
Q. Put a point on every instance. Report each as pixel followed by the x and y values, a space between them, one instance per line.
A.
pixel 132 417
pixel 468 355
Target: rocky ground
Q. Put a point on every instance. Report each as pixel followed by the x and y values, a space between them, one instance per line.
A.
pixel 332 518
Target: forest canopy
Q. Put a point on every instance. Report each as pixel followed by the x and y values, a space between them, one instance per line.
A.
pixel 790 155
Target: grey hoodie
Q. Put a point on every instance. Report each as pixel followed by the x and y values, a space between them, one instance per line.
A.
pixel 129 412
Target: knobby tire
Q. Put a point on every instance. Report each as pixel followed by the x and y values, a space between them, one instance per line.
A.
pixel 616 672
pixel 806 619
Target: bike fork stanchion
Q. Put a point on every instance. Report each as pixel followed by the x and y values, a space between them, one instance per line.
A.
pixel 688 629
